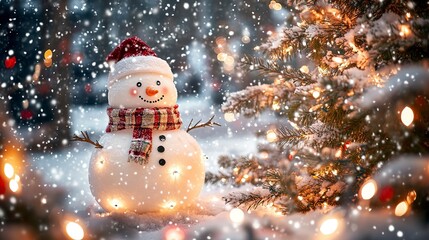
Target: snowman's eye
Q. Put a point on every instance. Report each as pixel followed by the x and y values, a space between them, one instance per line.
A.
pixel 139 84
pixel 158 82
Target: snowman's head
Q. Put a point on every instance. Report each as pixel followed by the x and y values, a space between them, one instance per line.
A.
pixel 138 78
pixel 145 90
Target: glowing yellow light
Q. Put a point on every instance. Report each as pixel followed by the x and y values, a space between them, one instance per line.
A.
pixel 277 6
pixel 411 197
pixel 407 116
pixel 222 57
pixel 404 30
pixel 316 94
pixel 304 69
pixel 271 136
pixel 236 215
pixel 276 106
pixel 368 190
pixel 338 153
pixel 229 60
pixel 229 117
pixel 401 208
pixel 48 54
pixel 337 59
pixel 264 155
pixel 329 226
pixel 14 185
pixel 245 39
pixel 74 230
pixel 8 170
pixel 174 234
pixel 115 203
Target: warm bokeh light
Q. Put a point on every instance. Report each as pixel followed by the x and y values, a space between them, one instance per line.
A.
pixel 229 117
pixel 337 60
pixel 276 106
pixel 316 94
pixel 407 116
pixel 74 231
pixel 411 196
pixel 401 209
pixel 329 226
pixel 404 30
pixel 236 215
pixel 368 189
pixel 304 69
pixel 8 170
pixel 14 185
pixel 175 233
pixel 48 54
pixel 271 136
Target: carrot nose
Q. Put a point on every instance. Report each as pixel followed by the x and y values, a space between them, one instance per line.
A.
pixel 150 91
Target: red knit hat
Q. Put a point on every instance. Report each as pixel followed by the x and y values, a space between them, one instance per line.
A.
pixel 130 47
pixel 132 56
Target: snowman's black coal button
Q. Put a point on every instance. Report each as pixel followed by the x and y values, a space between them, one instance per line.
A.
pixel 162 162
pixel 162 138
pixel 161 149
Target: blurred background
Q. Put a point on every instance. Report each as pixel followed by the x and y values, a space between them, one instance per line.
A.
pixel 54 53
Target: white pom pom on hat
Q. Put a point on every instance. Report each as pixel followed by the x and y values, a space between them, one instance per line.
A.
pixel 133 56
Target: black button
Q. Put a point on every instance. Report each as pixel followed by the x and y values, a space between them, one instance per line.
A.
pixel 162 162
pixel 162 138
pixel 161 149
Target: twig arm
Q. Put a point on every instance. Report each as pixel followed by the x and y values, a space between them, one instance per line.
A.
pixel 209 123
pixel 85 138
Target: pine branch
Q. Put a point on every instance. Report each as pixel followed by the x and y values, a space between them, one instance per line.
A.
pixel 216 178
pixel 85 138
pixel 209 123
pixel 272 68
pixel 251 200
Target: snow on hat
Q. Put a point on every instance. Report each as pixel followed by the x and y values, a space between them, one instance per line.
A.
pixel 135 56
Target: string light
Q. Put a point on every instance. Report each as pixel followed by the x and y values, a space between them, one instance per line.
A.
pixel 316 94
pixel 404 30
pixel 75 231
pixel 271 136
pixel 368 190
pixel 304 69
pixel 407 116
pixel 337 60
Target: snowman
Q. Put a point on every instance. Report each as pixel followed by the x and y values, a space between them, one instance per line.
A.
pixel 147 163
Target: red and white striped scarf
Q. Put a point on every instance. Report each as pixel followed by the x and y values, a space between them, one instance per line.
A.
pixel 143 121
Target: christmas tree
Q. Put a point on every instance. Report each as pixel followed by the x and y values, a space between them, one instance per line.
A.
pixel 350 81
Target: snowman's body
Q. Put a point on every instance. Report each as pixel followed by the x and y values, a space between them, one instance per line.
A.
pixel 173 176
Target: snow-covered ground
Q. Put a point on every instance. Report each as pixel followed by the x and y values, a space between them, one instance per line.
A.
pixel 210 218
pixel 68 168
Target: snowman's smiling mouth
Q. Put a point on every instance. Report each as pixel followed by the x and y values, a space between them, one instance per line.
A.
pixel 154 101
